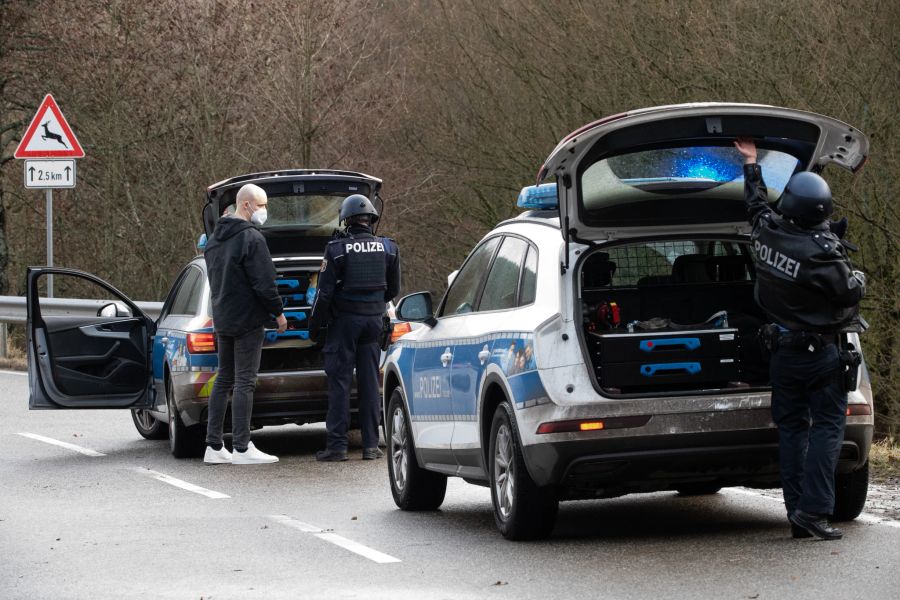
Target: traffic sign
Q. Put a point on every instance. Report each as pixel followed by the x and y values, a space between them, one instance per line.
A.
pixel 50 173
pixel 49 135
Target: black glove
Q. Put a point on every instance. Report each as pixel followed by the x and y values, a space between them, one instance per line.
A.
pixel 315 329
pixel 839 228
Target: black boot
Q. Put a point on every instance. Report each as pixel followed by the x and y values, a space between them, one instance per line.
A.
pixel 331 456
pixel 817 525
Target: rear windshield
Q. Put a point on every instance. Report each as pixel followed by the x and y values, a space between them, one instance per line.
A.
pixel 675 185
pixel 314 214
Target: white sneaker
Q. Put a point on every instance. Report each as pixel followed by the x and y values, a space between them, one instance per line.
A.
pixel 252 456
pixel 217 457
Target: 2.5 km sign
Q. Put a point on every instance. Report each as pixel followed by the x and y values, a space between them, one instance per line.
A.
pixel 49 173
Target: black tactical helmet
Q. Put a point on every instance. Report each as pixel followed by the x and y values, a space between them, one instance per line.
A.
pixel 807 199
pixel 356 205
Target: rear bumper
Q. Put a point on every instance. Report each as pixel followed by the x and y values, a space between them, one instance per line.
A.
pixel 280 397
pixel 593 468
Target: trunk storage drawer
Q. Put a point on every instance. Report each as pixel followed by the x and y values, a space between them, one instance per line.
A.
pixel 664 360
pixel 668 346
pixel 659 375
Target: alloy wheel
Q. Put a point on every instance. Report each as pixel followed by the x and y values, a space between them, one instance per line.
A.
pixel 504 471
pixel 399 448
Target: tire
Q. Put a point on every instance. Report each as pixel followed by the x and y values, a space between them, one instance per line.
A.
pixel 698 489
pixel 413 487
pixel 149 426
pixel 184 442
pixel 522 510
pixel 850 491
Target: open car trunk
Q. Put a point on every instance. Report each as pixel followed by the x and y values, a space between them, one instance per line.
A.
pixel 672 316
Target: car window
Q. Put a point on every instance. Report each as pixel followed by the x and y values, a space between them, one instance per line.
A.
pixel 502 284
pixel 464 291
pixel 187 298
pixel 529 278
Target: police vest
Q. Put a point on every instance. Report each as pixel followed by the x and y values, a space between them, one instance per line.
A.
pixel 364 264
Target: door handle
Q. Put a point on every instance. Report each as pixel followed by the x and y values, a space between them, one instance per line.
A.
pixel 446 357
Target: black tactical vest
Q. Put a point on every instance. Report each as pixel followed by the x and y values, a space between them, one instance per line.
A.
pixel 364 264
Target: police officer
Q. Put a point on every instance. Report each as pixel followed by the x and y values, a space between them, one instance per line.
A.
pixel 808 288
pixel 360 274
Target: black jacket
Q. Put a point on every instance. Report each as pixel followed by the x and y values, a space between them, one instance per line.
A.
pixel 241 278
pixel 804 278
pixel 359 275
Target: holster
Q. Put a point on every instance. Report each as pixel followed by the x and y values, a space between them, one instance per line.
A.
pixel 387 329
pixel 768 337
pixel 850 359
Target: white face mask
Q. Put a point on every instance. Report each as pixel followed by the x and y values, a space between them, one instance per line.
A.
pixel 259 216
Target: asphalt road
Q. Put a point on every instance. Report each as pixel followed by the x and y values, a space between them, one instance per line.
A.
pixel 74 525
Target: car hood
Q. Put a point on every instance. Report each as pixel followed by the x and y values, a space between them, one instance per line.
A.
pixel 303 205
pixel 675 167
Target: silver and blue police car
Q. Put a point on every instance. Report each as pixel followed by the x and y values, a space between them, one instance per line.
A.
pixel 605 341
pixel 163 370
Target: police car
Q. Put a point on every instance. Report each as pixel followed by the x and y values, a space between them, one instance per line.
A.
pixel 605 341
pixel 163 370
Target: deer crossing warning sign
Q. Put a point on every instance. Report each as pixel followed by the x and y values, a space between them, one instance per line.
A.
pixel 49 135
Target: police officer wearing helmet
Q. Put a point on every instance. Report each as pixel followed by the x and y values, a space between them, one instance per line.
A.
pixel 359 276
pixel 806 285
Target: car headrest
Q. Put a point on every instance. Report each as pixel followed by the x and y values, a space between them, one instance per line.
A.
pixel 598 270
pixel 690 268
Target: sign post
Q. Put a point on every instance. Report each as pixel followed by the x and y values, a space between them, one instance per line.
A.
pixel 56 146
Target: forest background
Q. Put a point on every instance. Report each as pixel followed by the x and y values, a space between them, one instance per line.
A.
pixel 454 103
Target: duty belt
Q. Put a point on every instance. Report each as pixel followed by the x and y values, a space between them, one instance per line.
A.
pixel 797 340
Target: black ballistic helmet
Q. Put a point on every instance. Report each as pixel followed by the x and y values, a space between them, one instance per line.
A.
pixel 356 205
pixel 806 199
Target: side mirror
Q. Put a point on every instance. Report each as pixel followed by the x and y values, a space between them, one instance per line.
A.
pixel 201 243
pixel 114 309
pixel 451 277
pixel 416 307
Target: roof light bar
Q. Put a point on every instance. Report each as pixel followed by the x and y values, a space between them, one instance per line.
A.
pixel 538 197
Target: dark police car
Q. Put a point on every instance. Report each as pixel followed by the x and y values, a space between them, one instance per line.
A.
pixel 163 370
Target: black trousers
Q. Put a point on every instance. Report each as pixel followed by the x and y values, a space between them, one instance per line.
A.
pixel 809 406
pixel 352 343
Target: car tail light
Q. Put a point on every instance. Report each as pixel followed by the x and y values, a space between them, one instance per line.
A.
pixel 201 343
pixel 400 329
pixel 854 410
pixel 593 424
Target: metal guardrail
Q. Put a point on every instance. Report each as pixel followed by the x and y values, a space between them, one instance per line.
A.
pixel 13 311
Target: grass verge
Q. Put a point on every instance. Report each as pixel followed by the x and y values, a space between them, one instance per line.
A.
pixel 884 460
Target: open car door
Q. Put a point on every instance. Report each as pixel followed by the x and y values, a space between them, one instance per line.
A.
pixel 100 361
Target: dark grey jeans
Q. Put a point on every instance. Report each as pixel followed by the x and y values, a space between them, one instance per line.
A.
pixel 238 365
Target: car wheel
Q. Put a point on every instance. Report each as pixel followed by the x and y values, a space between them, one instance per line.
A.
pixel 850 491
pixel 149 426
pixel 413 487
pixel 184 442
pixel 698 489
pixel 522 510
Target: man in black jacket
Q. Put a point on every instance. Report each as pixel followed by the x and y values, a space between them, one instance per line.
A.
pixel 360 274
pixel 808 288
pixel 244 297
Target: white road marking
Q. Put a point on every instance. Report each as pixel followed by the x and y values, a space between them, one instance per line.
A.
pixel 337 540
pixel 864 517
pixel 19 373
pixel 182 484
pixel 67 445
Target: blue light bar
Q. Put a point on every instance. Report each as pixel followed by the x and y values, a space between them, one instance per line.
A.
pixel 539 197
